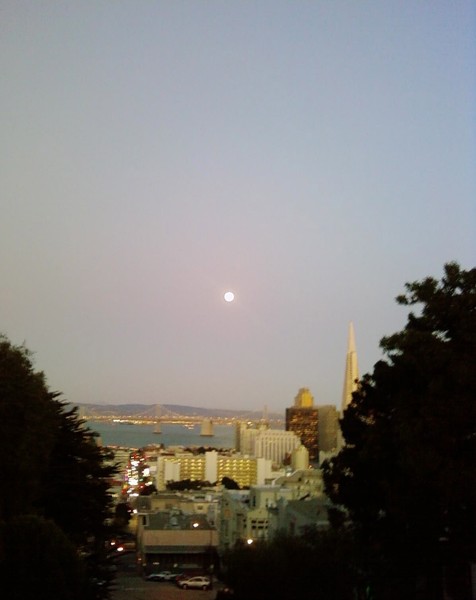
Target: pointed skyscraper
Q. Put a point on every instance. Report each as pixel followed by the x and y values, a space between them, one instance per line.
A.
pixel 351 376
pixel 351 370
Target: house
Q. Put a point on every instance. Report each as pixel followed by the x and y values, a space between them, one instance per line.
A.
pixel 175 540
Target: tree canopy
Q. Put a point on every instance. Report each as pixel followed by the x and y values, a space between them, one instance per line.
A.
pixel 317 564
pixel 40 561
pixel 405 478
pixel 52 469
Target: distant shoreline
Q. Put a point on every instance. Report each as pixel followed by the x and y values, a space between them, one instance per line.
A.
pixel 173 411
pixel 174 420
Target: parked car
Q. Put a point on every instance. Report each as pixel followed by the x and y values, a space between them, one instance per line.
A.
pixel 224 593
pixel 152 577
pixel 163 576
pixel 198 582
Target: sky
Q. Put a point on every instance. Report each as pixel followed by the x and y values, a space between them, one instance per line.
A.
pixel 310 156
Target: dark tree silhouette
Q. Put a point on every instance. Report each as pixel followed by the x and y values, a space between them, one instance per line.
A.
pixel 317 564
pixel 51 465
pixel 405 478
pixel 229 484
pixel 39 562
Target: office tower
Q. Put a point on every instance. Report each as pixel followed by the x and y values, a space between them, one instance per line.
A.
pixel 328 428
pixel 303 420
pixel 351 375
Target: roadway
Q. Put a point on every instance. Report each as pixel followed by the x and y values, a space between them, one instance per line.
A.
pixel 130 586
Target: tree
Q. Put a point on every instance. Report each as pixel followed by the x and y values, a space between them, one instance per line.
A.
pixel 122 515
pixel 405 479
pixel 51 465
pixel 40 561
pixel 229 484
pixel 187 484
pixel 75 486
pixel 317 564
pixel 28 414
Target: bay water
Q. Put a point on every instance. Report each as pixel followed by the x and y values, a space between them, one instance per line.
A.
pixel 135 435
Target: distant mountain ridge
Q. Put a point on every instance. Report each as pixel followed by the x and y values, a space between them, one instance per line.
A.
pixel 148 410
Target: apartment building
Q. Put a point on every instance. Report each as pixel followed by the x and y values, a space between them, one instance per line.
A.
pixel 260 512
pixel 212 466
pixel 275 445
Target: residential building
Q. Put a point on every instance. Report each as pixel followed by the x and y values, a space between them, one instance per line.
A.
pixel 275 445
pixel 212 466
pixel 249 515
pixel 293 517
pixel 203 502
pixel 175 540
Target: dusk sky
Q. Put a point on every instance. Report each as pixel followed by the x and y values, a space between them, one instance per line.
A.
pixel 310 156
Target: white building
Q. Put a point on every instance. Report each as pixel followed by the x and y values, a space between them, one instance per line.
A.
pixel 212 466
pixel 275 445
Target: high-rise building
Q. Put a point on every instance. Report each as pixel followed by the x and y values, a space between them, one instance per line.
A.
pixel 303 420
pixel 262 442
pixel 351 378
pixel 328 427
pixel 351 375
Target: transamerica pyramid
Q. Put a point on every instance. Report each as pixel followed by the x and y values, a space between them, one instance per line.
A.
pixel 351 370
pixel 351 376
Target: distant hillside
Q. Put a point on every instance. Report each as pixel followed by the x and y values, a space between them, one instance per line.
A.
pixel 149 410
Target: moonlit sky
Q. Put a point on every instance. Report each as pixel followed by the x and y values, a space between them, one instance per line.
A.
pixel 310 156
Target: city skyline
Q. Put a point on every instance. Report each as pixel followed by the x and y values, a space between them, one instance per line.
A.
pixel 309 158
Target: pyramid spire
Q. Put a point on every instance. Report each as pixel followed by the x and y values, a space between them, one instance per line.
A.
pixel 351 369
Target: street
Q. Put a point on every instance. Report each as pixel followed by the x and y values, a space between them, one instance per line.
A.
pixel 130 586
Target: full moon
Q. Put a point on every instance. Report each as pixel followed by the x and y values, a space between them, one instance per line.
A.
pixel 229 296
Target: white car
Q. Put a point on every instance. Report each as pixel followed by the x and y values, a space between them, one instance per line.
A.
pixel 162 576
pixel 198 582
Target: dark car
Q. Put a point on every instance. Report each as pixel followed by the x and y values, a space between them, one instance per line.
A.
pixel 224 593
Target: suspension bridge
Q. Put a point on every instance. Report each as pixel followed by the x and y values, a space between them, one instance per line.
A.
pixel 160 413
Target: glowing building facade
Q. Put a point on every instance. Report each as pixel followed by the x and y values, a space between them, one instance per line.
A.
pixel 351 378
pixel 303 420
pixel 351 375
pixel 212 466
